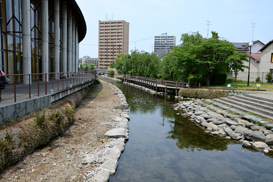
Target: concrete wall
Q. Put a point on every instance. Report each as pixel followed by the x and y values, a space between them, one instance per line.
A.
pixel 13 110
pixel 266 63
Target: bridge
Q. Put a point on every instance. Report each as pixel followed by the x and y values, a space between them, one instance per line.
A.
pixel 159 85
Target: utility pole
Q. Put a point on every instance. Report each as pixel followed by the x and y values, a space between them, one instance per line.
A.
pixel 208 23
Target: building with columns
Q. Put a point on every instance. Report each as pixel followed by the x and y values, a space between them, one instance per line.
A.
pixel 40 36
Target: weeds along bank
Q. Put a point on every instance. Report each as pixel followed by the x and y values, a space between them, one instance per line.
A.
pixel 23 135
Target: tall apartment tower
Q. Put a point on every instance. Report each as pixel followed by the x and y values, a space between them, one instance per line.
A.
pixel 163 43
pixel 113 40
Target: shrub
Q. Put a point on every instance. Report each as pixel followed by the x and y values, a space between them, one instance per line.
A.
pixel 268 77
pixel 218 79
pixel 39 120
pixel 69 113
pixel 201 94
pixel 258 79
pixel 56 117
pixel 96 82
pixel 111 72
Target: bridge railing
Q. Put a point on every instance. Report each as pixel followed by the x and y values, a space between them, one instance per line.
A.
pixel 165 83
pixel 25 86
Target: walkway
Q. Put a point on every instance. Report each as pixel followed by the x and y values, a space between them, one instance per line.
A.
pixel 158 84
pixel 22 91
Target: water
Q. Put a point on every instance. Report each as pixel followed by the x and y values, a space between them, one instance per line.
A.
pixel 166 147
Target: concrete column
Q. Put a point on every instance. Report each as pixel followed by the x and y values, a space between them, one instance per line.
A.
pixel 69 35
pixel 57 38
pixel 64 37
pixel 44 7
pixel 26 42
pixel 73 44
pixel 77 48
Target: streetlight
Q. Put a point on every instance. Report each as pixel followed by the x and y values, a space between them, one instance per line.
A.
pixel 250 44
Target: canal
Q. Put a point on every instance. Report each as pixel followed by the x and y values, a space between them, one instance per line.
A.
pixel 165 147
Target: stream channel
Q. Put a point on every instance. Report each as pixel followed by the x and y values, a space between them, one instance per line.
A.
pixel 165 147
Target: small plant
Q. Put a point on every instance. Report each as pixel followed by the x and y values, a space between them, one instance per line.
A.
pixel 111 73
pixel 56 117
pixel 39 120
pixel 96 82
pixel 69 112
pixel 268 77
pixel 258 79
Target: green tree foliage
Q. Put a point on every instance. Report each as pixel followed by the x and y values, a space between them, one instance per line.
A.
pixel 236 64
pixel 138 63
pixel 268 77
pixel 199 58
pixel 111 72
pixel 90 66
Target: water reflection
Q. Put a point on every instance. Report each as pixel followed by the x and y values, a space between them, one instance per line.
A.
pixel 165 147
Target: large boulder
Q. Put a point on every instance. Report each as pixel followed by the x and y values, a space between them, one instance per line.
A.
pixel 254 135
pixel 269 139
pixel 240 129
pixel 232 134
pixel 260 145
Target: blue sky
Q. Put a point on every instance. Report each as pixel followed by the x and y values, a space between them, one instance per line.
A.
pixel 232 19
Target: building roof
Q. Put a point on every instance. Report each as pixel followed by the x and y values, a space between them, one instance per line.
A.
pixel 255 56
pixel 79 17
pixel 270 42
pixel 241 46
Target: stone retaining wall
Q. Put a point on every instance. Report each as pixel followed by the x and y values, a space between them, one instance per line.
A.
pixel 112 150
pixel 228 124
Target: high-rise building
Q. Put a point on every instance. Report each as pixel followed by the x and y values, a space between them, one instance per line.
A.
pixel 113 40
pixel 163 43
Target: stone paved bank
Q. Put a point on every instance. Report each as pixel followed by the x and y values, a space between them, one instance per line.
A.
pixel 108 156
pixel 232 124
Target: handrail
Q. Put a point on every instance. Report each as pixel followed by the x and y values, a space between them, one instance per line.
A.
pixel 38 84
pixel 165 83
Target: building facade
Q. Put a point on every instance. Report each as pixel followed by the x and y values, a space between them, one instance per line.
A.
pixel 113 40
pixel 163 44
pixel 87 59
pixel 40 36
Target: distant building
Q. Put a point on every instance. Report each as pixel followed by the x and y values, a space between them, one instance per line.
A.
pixel 163 44
pixel 113 40
pixel 255 60
pixel 87 59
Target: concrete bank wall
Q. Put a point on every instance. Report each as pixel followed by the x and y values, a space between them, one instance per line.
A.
pixel 13 110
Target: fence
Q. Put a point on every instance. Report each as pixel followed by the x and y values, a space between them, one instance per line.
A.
pixel 39 84
pixel 157 84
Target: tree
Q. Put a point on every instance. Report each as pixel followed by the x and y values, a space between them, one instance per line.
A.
pixel 236 64
pixel 90 66
pixel 268 77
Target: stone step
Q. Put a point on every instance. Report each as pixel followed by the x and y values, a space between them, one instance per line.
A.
pixel 246 108
pixel 253 103
pixel 257 99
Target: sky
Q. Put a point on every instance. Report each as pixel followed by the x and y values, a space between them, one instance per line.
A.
pixel 233 20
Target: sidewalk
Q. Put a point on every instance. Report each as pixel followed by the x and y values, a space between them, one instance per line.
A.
pixel 38 89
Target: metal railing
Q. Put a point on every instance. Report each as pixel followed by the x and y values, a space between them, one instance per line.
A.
pixel 155 83
pixel 26 86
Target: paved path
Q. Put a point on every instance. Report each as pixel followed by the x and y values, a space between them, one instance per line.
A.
pixel 39 89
